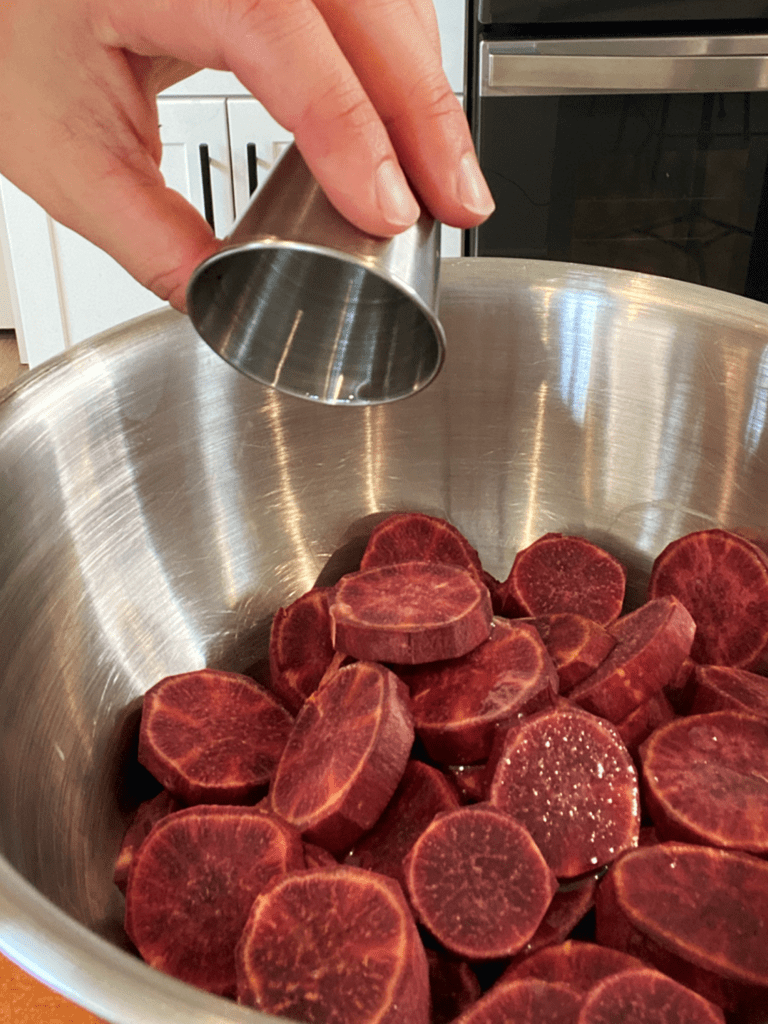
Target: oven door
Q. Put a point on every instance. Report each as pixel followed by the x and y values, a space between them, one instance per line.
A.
pixel 643 154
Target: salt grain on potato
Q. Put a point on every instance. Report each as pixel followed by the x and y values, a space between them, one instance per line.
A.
pixel 569 779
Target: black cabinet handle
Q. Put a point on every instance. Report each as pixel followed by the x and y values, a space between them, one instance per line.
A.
pixel 205 173
pixel 253 173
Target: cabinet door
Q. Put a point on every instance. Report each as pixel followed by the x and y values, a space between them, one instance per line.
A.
pixel 66 288
pixel 257 140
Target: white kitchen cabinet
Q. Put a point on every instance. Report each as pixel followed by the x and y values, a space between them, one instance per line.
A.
pixel 63 289
pixel 6 303
pixel 256 142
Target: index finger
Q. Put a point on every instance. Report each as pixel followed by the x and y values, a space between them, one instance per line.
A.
pixel 284 52
pixel 409 88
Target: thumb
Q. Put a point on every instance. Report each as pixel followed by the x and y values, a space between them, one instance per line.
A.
pixel 151 230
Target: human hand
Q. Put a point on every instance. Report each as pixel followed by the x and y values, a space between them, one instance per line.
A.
pixel 359 83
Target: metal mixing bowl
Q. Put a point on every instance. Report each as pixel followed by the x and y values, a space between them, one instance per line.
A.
pixel 156 508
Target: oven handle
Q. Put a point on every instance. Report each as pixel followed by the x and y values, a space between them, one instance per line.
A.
pixel 557 67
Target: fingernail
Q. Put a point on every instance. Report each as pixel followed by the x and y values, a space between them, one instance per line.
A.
pixel 395 198
pixel 474 194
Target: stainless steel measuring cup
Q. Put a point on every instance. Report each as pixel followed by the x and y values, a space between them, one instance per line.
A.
pixel 301 300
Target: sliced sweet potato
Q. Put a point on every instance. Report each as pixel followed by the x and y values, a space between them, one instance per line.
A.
pixel 471 781
pixel 334 946
pixel 679 691
pixel 652 643
pixel 648 836
pixel 345 756
pixel 317 857
pixel 572 901
pixel 721 688
pixel 418 537
pixel 722 579
pixel 423 793
pixel 708 906
pixel 148 813
pixel 614 930
pixel 645 996
pixel 570 780
pixel 640 723
pixel 212 737
pixel 558 573
pixel 192 883
pixel 576 644
pixel 453 986
pixel 525 1001
pixel 580 965
pixel 300 647
pixel 459 705
pixel 410 613
pixel 478 882
pixel 705 780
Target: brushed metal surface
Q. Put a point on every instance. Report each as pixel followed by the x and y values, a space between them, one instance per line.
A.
pixel 301 299
pixel 752 45
pixel 157 506
pixel 612 66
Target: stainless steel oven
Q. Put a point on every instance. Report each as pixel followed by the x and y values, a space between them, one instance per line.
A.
pixel 636 145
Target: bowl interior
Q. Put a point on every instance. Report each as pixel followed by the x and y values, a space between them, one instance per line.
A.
pixel 157 507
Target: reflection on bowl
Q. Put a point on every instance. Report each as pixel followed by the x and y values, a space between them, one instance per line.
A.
pixel 157 507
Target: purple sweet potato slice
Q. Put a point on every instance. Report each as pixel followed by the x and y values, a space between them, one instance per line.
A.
pixel 705 780
pixel 212 737
pixel 640 723
pixel 334 946
pixel 317 857
pixel 345 756
pixel 569 779
pixel 652 643
pixel 572 901
pixel 147 814
pixel 300 647
pixel 494 589
pixel 453 985
pixel 192 883
pixel 708 906
pixel 410 613
pixel 721 688
pixel 417 537
pixel 645 996
pixel 580 965
pixel 470 780
pixel 679 691
pixel 423 793
pixel 648 836
pixel 525 1001
pixel 576 644
pixel 558 573
pixel 478 882
pixel 459 705
pixel 722 579
pixel 614 930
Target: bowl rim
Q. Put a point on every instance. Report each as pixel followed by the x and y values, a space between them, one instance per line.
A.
pixel 53 946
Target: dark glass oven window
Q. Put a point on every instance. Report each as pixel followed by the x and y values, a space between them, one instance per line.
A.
pixel 667 184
